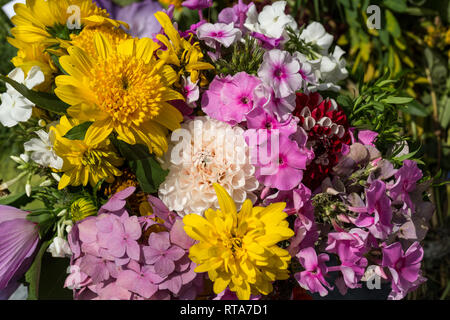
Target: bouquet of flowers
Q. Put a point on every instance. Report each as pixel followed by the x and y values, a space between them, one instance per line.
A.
pixel 217 162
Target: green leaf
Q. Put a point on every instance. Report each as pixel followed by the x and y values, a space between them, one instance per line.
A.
pixel 392 25
pixel 43 100
pixel 406 156
pixel 32 276
pixel 396 5
pixel 415 108
pixel 344 101
pixel 16 200
pixel 148 171
pixel 444 116
pixel 78 132
pixel 397 100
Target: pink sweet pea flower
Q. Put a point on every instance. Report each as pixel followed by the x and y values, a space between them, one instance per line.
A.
pixel 403 266
pixel 313 278
pixel 225 34
pixel 280 71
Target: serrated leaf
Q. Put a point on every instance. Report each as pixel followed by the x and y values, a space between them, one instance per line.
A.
pixel 43 100
pixel 78 132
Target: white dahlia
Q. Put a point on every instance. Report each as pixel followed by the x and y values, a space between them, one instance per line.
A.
pixel 203 152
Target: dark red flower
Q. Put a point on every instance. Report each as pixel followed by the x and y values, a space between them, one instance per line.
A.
pixel 327 127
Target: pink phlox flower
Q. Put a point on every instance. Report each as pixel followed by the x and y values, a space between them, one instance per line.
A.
pixel 280 71
pixel 225 34
pixel 229 99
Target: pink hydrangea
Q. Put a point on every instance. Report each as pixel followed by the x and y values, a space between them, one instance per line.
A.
pixel 113 260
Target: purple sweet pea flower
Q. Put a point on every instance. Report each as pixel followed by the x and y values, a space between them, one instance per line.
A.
pixel 236 14
pixel 280 71
pixel 350 248
pixel 407 177
pixel 403 266
pixel 162 254
pixel 267 42
pixel 229 99
pixel 377 215
pixel 313 278
pixel 19 239
pixel 197 4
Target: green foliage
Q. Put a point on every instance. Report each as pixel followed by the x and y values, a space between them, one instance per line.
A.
pixel 148 171
pixel 44 100
pixel 78 132
pixel 246 56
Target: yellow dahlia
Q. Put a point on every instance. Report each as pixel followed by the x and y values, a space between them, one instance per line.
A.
pixel 122 89
pixel 239 250
pixel 180 52
pixel 45 21
pixel 85 161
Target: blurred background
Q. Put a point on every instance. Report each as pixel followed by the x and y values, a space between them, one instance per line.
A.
pixel 413 45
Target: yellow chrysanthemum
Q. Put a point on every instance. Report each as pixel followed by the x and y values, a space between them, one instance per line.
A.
pixel 85 39
pixel 122 89
pixel 239 250
pixel 45 21
pixel 85 161
pixel 181 53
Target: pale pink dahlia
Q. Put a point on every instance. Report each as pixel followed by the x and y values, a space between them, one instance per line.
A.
pixel 208 151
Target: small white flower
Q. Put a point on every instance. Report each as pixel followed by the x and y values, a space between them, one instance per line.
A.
pixel 271 22
pixel 59 248
pixel 28 190
pixel 315 34
pixel 55 176
pixel 16 108
pixel 42 150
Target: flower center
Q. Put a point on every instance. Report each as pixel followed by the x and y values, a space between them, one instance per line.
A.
pixel 278 73
pixel 125 90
